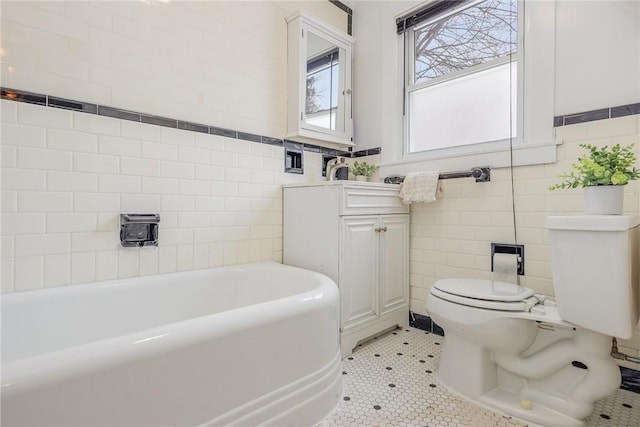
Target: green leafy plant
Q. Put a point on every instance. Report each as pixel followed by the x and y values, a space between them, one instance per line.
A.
pixel 363 168
pixel 601 166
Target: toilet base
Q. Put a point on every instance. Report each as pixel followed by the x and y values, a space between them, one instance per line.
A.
pixel 503 359
pixel 507 403
pixel 483 386
pixel 562 398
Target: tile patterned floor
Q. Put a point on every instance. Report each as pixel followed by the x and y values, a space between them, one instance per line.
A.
pixel 391 381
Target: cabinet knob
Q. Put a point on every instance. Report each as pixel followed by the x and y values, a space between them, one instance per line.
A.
pixel 378 230
pixel 346 92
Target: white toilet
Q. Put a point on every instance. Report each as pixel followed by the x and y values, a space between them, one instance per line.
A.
pixel 522 354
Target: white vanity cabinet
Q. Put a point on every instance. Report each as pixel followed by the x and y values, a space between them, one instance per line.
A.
pixel 319 87
pixel 357 233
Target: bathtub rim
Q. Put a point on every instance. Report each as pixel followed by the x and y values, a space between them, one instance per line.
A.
pixel 157 339
pixel 121 284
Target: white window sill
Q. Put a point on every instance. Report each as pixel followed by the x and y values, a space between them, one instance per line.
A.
pixel 532 153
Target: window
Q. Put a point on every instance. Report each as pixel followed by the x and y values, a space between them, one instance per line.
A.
pixel 461 80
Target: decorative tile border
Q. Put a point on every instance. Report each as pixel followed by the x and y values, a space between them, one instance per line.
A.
pixel 601 114
pixel 425 323
pixel 349 13
pixel 367 152
pixel 134 116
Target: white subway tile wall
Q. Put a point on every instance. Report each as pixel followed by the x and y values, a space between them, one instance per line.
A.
pixel 60 227
pixel 451 238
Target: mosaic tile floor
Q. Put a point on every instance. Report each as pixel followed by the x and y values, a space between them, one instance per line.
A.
pixel 391 381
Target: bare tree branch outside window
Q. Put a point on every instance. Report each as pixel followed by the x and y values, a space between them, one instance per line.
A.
pixel 313 95
pixel 473 36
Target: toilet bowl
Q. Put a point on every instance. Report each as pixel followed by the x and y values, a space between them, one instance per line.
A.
pixel 543 361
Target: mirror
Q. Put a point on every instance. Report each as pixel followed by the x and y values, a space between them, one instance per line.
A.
pixel 324 92
pixel 319 69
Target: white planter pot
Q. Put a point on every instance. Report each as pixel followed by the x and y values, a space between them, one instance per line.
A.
pixel 604 200
pixel 361 178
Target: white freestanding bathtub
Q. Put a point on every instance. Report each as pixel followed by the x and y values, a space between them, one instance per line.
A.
pixel 253 344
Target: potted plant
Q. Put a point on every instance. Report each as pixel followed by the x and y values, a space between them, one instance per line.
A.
pixel 363 171
pixel 603 173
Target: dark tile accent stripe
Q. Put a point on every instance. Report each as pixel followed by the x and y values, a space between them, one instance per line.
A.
pixel 249 137
pixel 319 149
pixel 368 152
pixel 334 152
pixel 601 114
pixel 425 323
pixel 294 145
pixel 271 141
pixel 159 121
pixel 223 132
pixel 23 96
pixel 69 104
pixel 349 13
pixel 342 6
pixel 118 113
pixel 558 121
pixel 625 110
pixel 630 379
pixel 313 148
pixel 193 127
pixel 587 116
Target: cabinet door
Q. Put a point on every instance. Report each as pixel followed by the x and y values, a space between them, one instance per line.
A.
pixel 394 265
pixel 319 93
pixel 358 270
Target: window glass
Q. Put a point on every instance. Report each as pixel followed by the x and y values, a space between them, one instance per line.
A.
pixel 470 37
pixel 462 82
pixel 323 73
pixel 471 109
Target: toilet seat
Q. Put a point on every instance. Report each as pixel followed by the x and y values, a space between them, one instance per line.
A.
pixel 487 294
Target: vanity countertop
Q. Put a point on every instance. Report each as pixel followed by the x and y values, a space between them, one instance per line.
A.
pixel 350 183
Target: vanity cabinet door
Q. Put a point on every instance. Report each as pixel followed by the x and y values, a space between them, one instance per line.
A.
pixel 359 270
pixel 394 268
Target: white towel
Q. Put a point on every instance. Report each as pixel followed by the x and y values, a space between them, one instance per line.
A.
pixel 419 187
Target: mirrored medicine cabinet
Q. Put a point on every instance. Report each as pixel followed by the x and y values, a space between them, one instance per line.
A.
pixel 319 74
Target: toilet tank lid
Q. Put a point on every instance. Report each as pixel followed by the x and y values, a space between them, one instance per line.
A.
pixel 484 289
pixel 593 222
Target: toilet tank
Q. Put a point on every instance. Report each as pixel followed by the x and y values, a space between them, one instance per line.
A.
pixel 594 259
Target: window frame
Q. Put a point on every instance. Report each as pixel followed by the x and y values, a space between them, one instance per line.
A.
pixel 539 146
pixel 409 87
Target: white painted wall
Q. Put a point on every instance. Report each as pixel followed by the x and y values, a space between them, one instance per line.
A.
pixel 597 55
pixel 66 176
pixel 377 80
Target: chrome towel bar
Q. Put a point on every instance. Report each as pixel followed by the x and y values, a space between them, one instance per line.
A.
pixel 481 174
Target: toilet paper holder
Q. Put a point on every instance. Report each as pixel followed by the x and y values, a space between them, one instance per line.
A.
pixel 508 248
